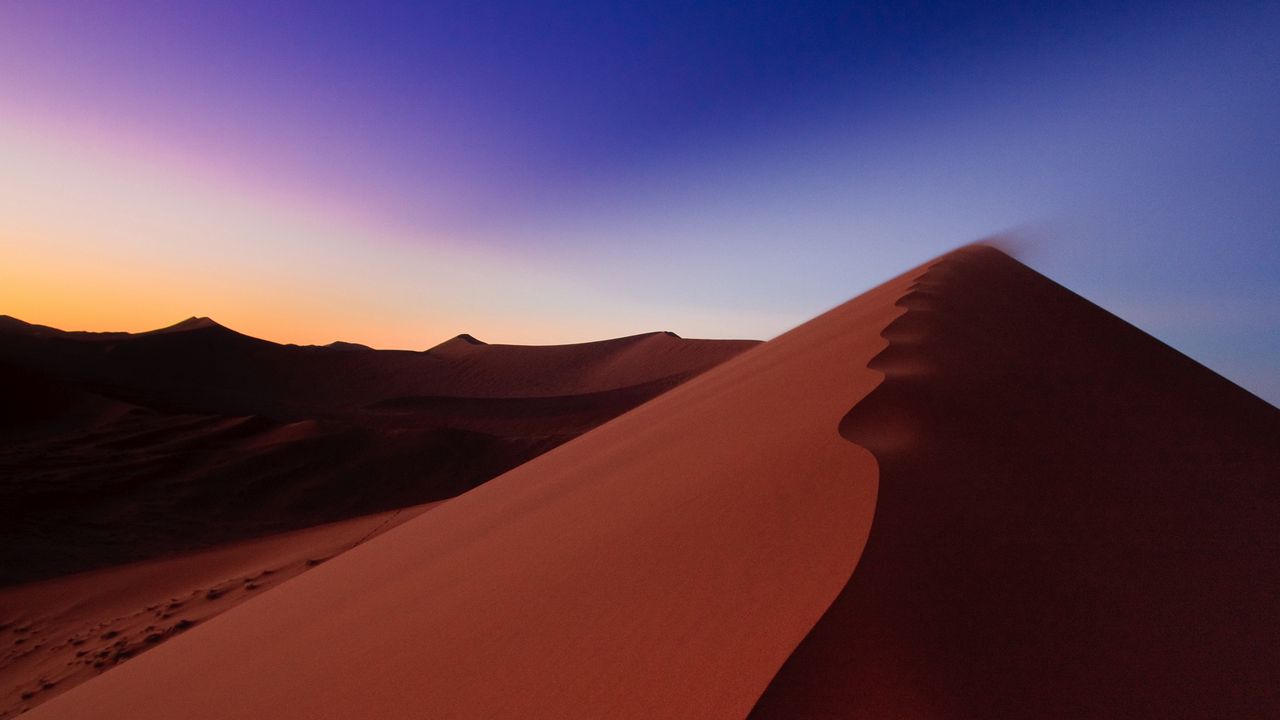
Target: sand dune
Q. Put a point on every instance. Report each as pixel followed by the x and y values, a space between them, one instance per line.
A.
pixel 664 564
pixel 966 493
pixel 1074 520
pixel 200 366
pixel 118 447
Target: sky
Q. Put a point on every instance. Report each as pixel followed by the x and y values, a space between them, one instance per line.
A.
pixel 397 173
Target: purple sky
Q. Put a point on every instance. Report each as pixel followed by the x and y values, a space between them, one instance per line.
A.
pixel 396 173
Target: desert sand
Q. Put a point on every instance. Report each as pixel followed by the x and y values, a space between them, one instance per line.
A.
pixel 665 564
pixel 121 479
pixel 965 493
pixel 62 632
pixel 1074 520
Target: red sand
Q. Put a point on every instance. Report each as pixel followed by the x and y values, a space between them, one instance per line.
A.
pixel 1070 520
pixel 664 564
pixel 1074 521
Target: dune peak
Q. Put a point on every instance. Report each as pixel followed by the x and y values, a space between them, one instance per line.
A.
pixel 192 323
pixel 461 341
pixel 344 345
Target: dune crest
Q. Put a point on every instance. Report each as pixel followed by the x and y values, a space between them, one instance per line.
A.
pixel 190 324
pixel 1074 520
pixel 663 565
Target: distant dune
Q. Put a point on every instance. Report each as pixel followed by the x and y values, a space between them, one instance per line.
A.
pixel 965 493
pixel 117 447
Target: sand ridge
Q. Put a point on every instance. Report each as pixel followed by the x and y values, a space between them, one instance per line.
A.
pixel 662 565
pixel 1074 520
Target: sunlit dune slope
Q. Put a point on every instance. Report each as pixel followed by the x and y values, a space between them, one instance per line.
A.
pixel 663 565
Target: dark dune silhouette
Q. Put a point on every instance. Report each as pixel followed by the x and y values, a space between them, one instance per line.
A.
pixel 118 447
pixel 200 366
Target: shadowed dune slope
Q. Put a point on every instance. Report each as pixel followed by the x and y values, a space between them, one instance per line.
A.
pixel 663 565
pixel 1074 521
pixel 62 632
pixel 115 447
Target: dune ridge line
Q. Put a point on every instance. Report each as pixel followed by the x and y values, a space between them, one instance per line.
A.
pixel 1074 520
pixel 664 564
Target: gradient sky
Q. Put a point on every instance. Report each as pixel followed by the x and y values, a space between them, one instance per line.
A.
pixel 396 173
